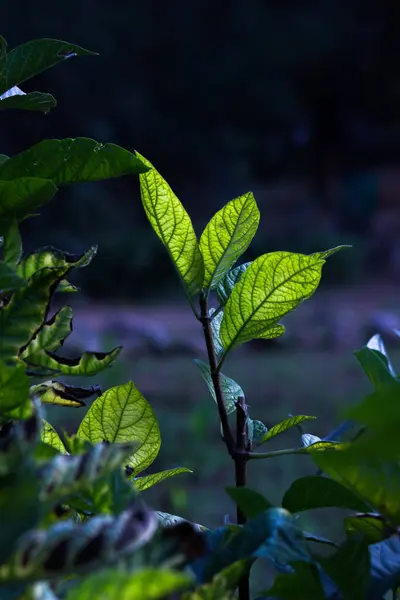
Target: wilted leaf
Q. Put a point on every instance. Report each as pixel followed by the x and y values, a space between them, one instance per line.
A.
pixel 62 394
pixel 52 334
pixel 90 363
pixel 174 228
pixel 122 415
pixel 284 426
pixel 312 492
pixel 50 437
pixel 227 235
pixel 147 481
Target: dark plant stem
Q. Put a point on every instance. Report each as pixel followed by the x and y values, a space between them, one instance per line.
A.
pixel 205 320
pixel 243 446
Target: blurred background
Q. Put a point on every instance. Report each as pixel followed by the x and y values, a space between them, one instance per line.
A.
pixel 298 101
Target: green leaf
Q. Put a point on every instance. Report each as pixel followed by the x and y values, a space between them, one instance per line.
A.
pixel 307 493
pixel 116 584
pixel 230 389
pixel 349 569
pixel 90 363
pixel 148 481
pixel 122 415
pixel 52 334
pixel 174 228
pixel 14 387
pixel 373 526
pixel 227 236
pixel 26 311
pixel 72 160
pixel 216 321
pixel 3 158
pixel 27 60
pixel 303 584
pixel 223 585
pixel 9 280
pixel 225 287
pixel 250 502
pixel 284 426
pixel 273 285
pixel 51 257
pixel 61 394
pixel 256 430
pixel 21 197
pixel 375 365
pixel 168 520
pixel 49 436
pixel 12 248
pixel 31 101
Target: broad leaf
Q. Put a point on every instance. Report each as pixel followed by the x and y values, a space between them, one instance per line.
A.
pixel 312 492
pixel 52 334
pixel 72 160
pixel 227 236
pixel 50 437
pixel 284 426
pixel 273 285
pixel 225 287
pixel 349 568
pixel 62 394
pixel 14 387
pixel 372 525
pixel 230 389
pixel 122 415
pixel 26 311
pixel 9 280
pixel 250 502
pixel 147 481
pixel 51 257
pixel 375 365
pixel 12 248
pixel 32 101
pixel 90 363
pixel 27 60
pixel 302 584
pixel 174 228
pixel 20 197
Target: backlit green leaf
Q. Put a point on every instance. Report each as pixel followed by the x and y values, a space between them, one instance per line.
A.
pixel 52 334
pixel 26 311
pixel 12 248
pixel 372 526
pixel 14 387
pixel 122 415
pixel 50 437
pixel 174 228
pixel 72 160
pixel 62 394
pixel 31 101
pixel 225 287
pixel 51 257
pixel 227 236
pixel 27 60
pixel 284 426
pixel 230 389
pixel 312 492
pixel 90 363
pixel 271 286
pixel 148 481
pixel 21 197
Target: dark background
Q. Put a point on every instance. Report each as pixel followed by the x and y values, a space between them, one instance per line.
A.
pixel 298 101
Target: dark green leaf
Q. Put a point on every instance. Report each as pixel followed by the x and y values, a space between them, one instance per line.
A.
pixel 349 568
pixel 372 525
pixel 250 502
pixel 31 101
pixel 21 197
pixel 230 389
pixel 12 247
pixel 375 365
pixel 303 584
pixel 312 492
pixel 14 387
pixel 9 280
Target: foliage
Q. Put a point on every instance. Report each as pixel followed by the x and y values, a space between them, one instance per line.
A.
pixel 73 521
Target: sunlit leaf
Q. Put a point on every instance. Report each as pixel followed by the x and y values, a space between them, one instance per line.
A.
pixel 147 481
pixel 122 415
pixel 174 228
pixel 230 389
pixel 271 286
pixel 49 436
pixel 14 387
pixel 52 334
pixel 22 196
pixel 90 363
pixel 227 236
pixel 72 160
pixel 52 257
pixel 225 287
pixel 284 426
pixel 62 394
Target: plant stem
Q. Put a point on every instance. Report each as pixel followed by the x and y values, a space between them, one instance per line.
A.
pixel 205 320
pixel 273 453
pixel 241 457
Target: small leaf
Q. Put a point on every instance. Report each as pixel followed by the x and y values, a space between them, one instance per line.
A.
pixel 250 502
pixel 72 160
pixel 20 197
pixel 230 389
pixel 284 426
pixel 256 430
pixel 12 248
pixel 273 285
pixel 375 365
pixel 227 236
pixel 122 415
pixel 9 280
pixel 168 520
pixel 27 60
pixel 52 334
pixel 147 481
pixel 14 387
pixel 312 492
pixel 31 101
pixel 225 287
pixel 26 311
pixel 49 436
pixel 51 257
pixel 216 321
pixel 90 363
pixel 174 228
pixel 61 394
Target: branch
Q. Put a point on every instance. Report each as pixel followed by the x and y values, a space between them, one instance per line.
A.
pixel 256 455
